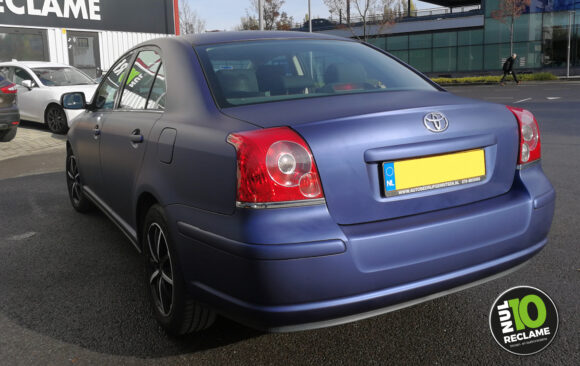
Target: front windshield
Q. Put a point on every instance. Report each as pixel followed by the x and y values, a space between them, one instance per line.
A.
pixel 254 72
pixel 61 76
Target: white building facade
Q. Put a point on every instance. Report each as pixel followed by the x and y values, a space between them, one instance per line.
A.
pixel 88 34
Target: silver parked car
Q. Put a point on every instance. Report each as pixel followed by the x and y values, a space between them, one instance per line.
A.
pixel 40 86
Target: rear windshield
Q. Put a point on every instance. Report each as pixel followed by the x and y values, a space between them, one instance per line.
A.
pixel 254 72
pixel 61 76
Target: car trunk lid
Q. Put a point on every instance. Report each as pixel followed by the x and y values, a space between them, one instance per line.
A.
pixel 354 138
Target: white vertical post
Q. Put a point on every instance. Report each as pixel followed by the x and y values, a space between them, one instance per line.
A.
pixel 261 14
pixel 309 18
pixel 570 14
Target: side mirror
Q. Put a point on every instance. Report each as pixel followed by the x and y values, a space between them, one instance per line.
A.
pixel 29 84
pixel 74 100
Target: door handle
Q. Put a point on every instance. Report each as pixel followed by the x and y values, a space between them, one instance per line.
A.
pixel 97 130
pixel 136 137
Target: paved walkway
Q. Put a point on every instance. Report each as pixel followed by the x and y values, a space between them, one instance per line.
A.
pixel 31 139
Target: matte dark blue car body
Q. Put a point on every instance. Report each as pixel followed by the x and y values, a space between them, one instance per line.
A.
pixel 355 254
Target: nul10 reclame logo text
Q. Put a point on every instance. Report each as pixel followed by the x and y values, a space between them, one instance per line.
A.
pixel 523 320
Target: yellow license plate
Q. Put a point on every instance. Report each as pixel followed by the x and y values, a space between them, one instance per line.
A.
pixel 433 172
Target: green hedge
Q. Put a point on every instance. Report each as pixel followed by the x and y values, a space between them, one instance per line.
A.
pixel 494 79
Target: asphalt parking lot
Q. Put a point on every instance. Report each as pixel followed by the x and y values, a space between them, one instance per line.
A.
pixel 71 291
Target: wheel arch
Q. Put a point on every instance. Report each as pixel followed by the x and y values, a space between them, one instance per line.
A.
pixel 48 105
pixel 145 201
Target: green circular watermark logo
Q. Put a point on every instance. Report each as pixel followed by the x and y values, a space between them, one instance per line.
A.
pixel 523 320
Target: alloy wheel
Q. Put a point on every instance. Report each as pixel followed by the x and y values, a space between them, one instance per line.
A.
pixel 56 120
pixel 74 180
pixel 160 269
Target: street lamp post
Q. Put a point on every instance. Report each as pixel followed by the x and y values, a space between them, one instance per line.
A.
pixel 570 15
pixel 261 14
pixel 309 18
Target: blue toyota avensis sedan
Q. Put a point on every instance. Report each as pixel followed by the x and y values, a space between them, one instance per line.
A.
pixel 293 181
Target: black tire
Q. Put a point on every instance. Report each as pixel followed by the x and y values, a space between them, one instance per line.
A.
pixel 6 136
pixel 176 312
pixel 56 120
pixel 78 200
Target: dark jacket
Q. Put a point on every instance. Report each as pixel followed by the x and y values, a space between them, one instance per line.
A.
pixel 508 64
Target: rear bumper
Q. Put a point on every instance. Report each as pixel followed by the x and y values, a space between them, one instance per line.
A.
pixel 304 271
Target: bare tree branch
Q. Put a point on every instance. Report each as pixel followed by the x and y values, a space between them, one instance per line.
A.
pixel 510 10
pixel 378 13
pixel 272 13
pixel 189 20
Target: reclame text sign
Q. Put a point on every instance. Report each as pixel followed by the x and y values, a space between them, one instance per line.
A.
pixel 148 16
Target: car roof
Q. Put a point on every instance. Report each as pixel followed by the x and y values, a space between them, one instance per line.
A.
pixel 224 37
pixel 33 64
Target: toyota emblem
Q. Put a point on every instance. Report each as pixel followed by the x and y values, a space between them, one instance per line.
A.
pixel 435 122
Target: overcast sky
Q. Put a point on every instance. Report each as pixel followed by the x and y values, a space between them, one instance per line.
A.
pixel 226 14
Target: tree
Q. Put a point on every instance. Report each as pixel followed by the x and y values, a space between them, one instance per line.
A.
pixel 273 17
pixel 285 22
pixel 249 22
pixel 189 21
pixel 510 10
pixel 379 13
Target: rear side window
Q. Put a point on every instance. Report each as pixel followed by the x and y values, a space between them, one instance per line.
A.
pixel 140 80
pixel 20 75
pixel 253 72
pixel 107 92
pixel 157 96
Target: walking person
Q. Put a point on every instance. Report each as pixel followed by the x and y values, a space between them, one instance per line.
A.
pixel 508 69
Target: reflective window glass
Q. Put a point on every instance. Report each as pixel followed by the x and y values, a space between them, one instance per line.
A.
pixel 528 27
pixel 158 92
pixel 403 55
pixel 470 58
pixel 380 42
pixel 445 59
pixel 420 41
pixel 140 80
pixel 298 69
pixel 397 43
pixel 491 5
pixel 107 92
pixel 20 75
pixel 495 55
pixel 445 39
pixel 420 59
pixel 470 37
pixel 496 32
pixel 23 44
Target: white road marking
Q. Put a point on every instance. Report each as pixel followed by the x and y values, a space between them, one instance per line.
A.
pixel 523 100
pixel 27 235
pixel 552 98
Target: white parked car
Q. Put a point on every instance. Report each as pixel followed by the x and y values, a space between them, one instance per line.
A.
pixel 40 87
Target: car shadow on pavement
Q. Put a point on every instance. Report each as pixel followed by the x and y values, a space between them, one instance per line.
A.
pixel 77 279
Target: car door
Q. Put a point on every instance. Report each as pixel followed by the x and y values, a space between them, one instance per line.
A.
pixel 88 127
pixel 28 99
pixel 125 134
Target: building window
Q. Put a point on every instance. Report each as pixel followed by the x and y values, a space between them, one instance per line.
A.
pixel 421 59
pixel 23 44
pixel 470 37
pixel 470 58
pixel 420 40
pixel 445 59
pixel 445 39
pixel 397 43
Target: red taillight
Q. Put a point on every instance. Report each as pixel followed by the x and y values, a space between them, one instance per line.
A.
pixel 9 89
pixel 275 165
pixel 530 145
